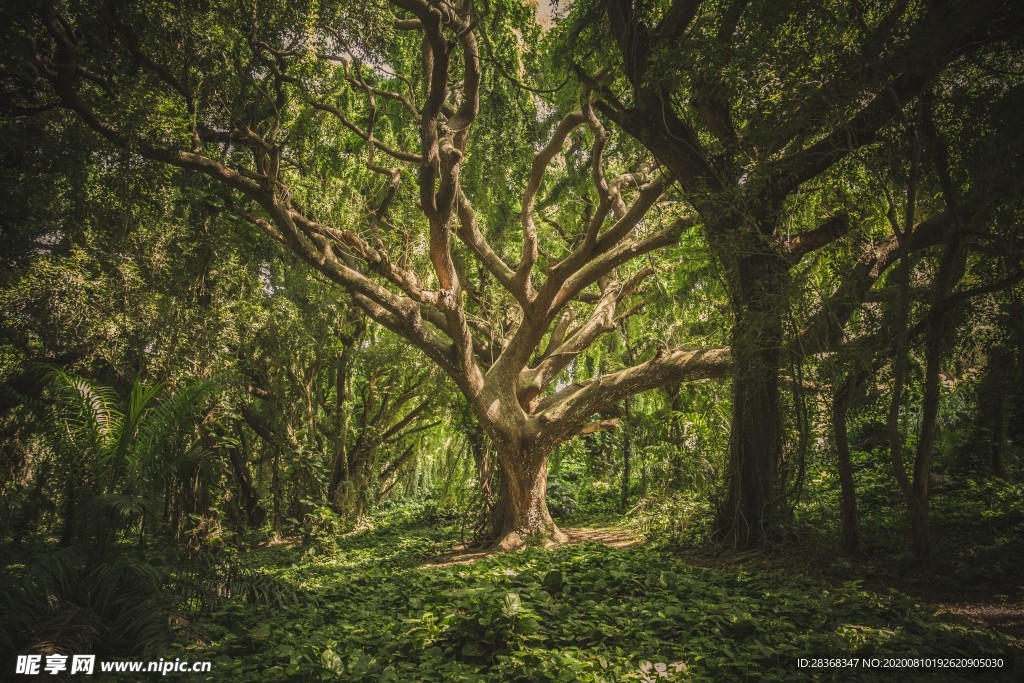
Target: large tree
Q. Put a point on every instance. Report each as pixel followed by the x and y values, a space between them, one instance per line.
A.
pixel 296 114
pixel 755 106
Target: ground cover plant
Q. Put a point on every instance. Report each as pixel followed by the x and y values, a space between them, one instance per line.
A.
pixel 381 610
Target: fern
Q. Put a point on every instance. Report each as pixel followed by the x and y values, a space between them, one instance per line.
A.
pixel 114 458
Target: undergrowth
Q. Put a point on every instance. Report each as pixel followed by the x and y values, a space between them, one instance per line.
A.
pixel 377 612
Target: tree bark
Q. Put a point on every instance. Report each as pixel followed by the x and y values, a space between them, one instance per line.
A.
pixel 340 470
pixel 849 539
pixel 249 496
pixel 521 513
pixel 951 271
pixel 748 512
pixel 919 532
pixel 993 398
pixel 275 485
pixel 627 455
pixel 900 360
pixel 341 456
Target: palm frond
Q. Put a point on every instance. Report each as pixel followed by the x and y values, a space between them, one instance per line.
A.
pixel 86 411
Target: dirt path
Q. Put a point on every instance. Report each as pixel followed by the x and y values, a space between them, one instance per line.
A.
pixel 613 537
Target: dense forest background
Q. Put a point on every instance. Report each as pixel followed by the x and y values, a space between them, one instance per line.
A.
pixel 710 310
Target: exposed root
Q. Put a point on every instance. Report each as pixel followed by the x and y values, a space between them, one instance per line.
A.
pixel 552 537
pixel 466 554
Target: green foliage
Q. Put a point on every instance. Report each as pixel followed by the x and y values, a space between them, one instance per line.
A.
pixel 561 498
pixel 583 612
pixel 69 601
pixel 673 517
pixel 110 459
pixel 227 455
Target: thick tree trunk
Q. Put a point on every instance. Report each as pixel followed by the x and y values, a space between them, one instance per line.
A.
pixel 335 495
pixel 521 513
pixel 749 510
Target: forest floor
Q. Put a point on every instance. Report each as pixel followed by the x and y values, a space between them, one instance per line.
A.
pixel 393 602
pixel 994 610
pixel 998 607
pixel 976 569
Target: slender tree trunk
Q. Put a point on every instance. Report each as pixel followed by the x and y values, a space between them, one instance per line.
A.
pixel 627 456
pixel 918 502
pixel 275 485
pixel 674 395
pixel 643 473
pixel 521 512
pixel 249 497
pixel 919 532
pixel 803 425
pixel 486 476
pixel 167 504
pixel 849 540
pixel 998 435
pixel 900 360
pixel 951 271
pixel 993 394
pixel 334 494
pixel 749 511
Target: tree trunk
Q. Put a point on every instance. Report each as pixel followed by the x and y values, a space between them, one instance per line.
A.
pixel 849 540
pixel 919 541
pixel 900 360
pixel 339 470
pixel 993 398
pixel 951 270
pixel 627 456
pixel 486 477
pixel 803 426
pixel 521 513
pixel 249 496
pixel 998 437
pixel 749 511
pixel 674 395
pixel 275 485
